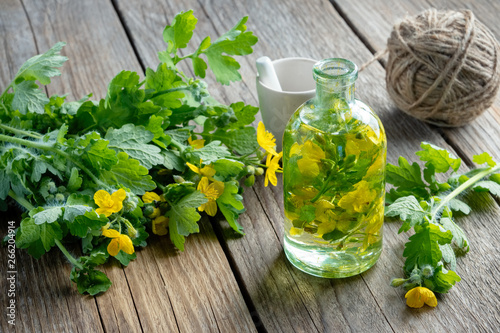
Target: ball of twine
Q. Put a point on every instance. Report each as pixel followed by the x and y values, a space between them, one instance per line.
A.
pixel 443 67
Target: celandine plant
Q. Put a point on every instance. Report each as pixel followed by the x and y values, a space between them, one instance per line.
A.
pixel 101 174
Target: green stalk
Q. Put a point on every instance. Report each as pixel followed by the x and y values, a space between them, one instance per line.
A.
pixel 177 145
pixel 6 90
pixel 463 187
pixel 159 93
pixel 21 200
pixel 21 132
pixel 67 254
pixel 37 145
pixel 26 204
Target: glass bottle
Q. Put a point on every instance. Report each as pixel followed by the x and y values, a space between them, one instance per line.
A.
pixel 334 152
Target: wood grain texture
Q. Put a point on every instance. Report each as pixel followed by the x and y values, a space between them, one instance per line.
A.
pixel 161 286
pixel 277 290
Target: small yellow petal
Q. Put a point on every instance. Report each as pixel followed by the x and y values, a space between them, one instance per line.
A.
pixel 106 211
pixel 203 184
pixel 219 187
pixel 155 214
pixel 126 244
pixel 149 197
pixel 101 198
pixel 416 297
pixel 207 171
pixel 114 247
pixel 196 143
pixel 211 207
pixel 111 233
pixel 119 195
pixel 266 139
pixel 296 148
pixel 308 167
pixel 160 225
pixel 295 231
pixel 193 167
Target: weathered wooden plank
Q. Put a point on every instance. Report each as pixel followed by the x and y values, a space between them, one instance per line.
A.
pixel 45 298
pixel 98 49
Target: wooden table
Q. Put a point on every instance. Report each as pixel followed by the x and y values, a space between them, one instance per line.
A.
pixel 245 284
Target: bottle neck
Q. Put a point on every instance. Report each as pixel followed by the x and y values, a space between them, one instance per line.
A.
pixel 330 93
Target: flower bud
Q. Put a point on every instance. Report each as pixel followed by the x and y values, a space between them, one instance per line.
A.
pixel 250 170
pixel 149 210
pixel 132 233
pixel 52 187
pixel 397 282
pixel 61 189
pixel 178 179
pixel 130 202
pixel 250 181
pixel 427 271
pixel 259 171
pixel 60 197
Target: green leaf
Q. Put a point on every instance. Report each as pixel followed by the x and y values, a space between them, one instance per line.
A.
pixel 155 126
pixel 90 281
pixel 125 258
pixel 444 280
pixel 227 168
pixel 130 174
pixel 307 213
pixel 440 158
pixel 81 224
pixel 27 97
pixel 48 215
pixel 184 217
pixel 487 185
pixel 449 256
pixel 423 246
pixel 458 234
pixel 172 160
pixel 134 140
pixel 179 33
pixel 244 113
pixel 162 80
pixel 75 181
pixel 404 176
pixel 43 66
pixel 231 206
pixel 236 41
pixel 484 158
pixel 459 206
pixel 98 155
pixel 409 210
pixel 211 152
pixel 242 140
pixel 49 233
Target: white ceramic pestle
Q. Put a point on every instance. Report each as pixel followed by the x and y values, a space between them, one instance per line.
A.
pixel 267 74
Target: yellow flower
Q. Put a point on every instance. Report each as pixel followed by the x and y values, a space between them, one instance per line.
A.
pixel 361 141
pixel 312 154
pixel 416 297
pixel 160 225
pixel 155 214
pixel 149 197
pixel 272 164
pixel 109 204
pixel 118 242
pixel 212 192
pixel 266 139
pixel 295 231
pixel 360 199
pixel 196 143
pixel 322 208
pixel 206 171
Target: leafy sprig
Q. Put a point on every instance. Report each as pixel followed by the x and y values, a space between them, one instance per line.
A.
pixel 427 206
pixel 101 173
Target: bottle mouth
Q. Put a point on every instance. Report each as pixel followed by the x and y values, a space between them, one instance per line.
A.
pixel 340 70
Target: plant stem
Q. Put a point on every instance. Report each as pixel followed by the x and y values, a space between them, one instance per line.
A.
pixel 159 93
pixel 21 132
pixel 37 145
pixel 463 187
pixel 21 200
pixel 6 90
pixel 67 254
pixel 177 145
